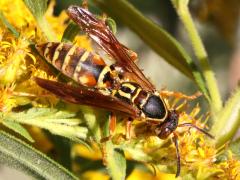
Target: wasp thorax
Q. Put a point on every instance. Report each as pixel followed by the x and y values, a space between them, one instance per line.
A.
pixel 154 107
pixel 168 126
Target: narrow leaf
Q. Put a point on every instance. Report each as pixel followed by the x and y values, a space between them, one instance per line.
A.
pixel 18 128
pixel 38 9
pixel 9 26
pixel 234 148
pixel 19 155
pixel 112 25
pixel 93 122
pixel 70 32
pixel 116 162
pixel 157 38
pixel 228 120
pixel 62 123
pixel 63 150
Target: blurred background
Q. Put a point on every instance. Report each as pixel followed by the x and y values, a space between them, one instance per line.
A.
pixel 219 26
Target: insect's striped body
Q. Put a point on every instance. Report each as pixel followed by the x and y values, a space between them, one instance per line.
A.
pixel 90 70
pixel 77 63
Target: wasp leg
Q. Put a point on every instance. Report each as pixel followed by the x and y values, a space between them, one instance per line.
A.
pixel 128 128
pixel 132 54
pixel 175 140
pixel 165 93
pixel 112 127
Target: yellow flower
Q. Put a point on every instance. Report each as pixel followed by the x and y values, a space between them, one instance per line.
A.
pixel 7 101
pixel 18 62
pixel 58 24
pixel 14 56
pixel 17 14
pixel 230 168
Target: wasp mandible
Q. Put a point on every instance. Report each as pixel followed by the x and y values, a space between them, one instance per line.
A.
pixel 119 87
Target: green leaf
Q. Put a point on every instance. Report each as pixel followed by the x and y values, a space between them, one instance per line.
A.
pixel 18 128
pixel 157 38
pixel 235 150
pixel 21 156
pixel 137 153
pixel 62 146
pixel 9 26
pixel 93 122
pixel 70 32
pixel 227 121
pixel 112 25
pixel 63 123
pixel 116 162
pixel 38 9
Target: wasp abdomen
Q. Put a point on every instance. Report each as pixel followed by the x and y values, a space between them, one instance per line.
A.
pixel 77 63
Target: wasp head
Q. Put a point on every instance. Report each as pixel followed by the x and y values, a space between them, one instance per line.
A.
pixel 168 126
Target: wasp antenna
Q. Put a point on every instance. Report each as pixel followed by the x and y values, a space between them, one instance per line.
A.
pixel 175 140
pixel 197 128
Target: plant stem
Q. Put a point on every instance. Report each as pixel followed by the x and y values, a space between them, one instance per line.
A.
pixel 200 52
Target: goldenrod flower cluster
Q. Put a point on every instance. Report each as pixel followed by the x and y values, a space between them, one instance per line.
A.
pixel 19 64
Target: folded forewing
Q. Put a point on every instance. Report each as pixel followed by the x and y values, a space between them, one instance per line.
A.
pixel 90 97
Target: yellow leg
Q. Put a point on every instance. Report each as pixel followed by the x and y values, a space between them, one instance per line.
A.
pixel 112 127
pixel 165 93
pixel 128 128
pixel 132 55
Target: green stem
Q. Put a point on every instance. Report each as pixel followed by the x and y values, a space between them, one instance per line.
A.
pixel 200 52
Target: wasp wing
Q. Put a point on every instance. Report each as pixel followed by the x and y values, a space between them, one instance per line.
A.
pixel 103 36
pixel 90 97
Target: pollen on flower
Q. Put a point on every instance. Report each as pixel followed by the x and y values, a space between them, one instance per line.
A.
pixel 18 62
pixel 7 102
pixel 196 151
pixel 195 148
pixel 15 55
pixel 58 23
pixel 230 167
pixel 17 13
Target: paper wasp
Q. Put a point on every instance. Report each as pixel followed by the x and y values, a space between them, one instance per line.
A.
pixel 120 87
